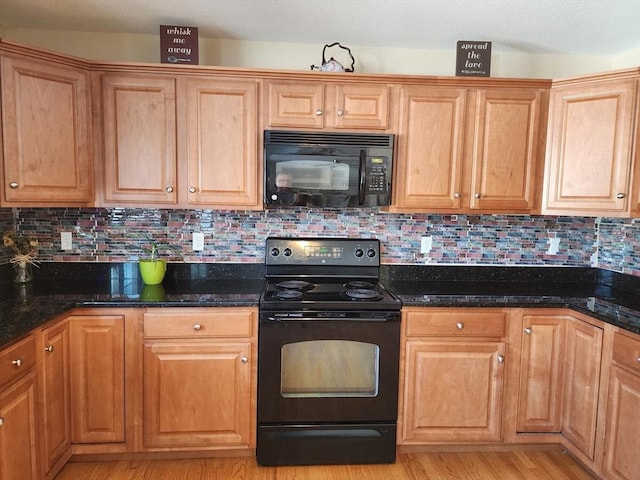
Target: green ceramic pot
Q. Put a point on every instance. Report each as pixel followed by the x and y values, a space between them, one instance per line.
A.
pixel 152 271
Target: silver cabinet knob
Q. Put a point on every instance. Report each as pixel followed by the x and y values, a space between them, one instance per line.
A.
pixel 459 325
pixel 197 327
pixel 169 189
pixel 477 195
pixel 457 195
pixel 620 195
pixel 48 348
pixel 192 190
pixel 638 359
pixel 13 185
pixel 500 358
pixel 340 113
pixel 17 362
pixel 318 112
pixel 244 359
pixel 527 330
pixel 1 421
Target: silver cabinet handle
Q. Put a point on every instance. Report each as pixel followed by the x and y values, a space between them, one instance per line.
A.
pixel 620 195
pixel 192 190
pixel 48 348
pixel 13 185
pixel 197 327
pixel 1 421
pixel 459 325
pixel 244 359
pixel 169 189
pixel 638 359
pixel 527 330
pixel 340 113
pixel 318 112
pixel 477 195
pixel 500 358
pixel 17 362
pixel 457 195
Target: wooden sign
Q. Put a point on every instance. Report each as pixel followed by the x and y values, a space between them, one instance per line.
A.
pixel 473 59
pixel 179 45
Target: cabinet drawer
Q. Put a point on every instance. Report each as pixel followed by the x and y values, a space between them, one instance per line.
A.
pixel 626 351
pixel 452 323
pixel 199 323
pixel 17 360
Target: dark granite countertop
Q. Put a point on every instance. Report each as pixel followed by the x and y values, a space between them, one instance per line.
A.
pixel 59 287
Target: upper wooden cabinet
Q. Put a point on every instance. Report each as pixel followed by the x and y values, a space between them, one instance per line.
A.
pixel 303 104
pixel 200 143
pixel 590 146
pixel 469 149
pixel 46 120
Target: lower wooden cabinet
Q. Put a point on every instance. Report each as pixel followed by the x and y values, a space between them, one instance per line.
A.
pixel 621 439
pixel 55 393
pixel 200 371
pixel 541 373
pixel 581 386
pixel 453 376
pixel 97 378
pixel 19 433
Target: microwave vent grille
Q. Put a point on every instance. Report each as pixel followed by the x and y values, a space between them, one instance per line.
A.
pixel 348 139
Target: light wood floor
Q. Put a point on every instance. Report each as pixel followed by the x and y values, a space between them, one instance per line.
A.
pixel 514 465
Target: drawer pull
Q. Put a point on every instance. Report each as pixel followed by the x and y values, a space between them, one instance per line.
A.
pixel 528 330
pixel 459 325
pixel 197 327
pixel 17 362
pixel 620 196
pixel 244 359
pixel 13 185
pixel 318 112
pixel 48 348
pixel 500 358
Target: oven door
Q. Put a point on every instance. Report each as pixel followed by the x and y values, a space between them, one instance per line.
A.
pixel 327 371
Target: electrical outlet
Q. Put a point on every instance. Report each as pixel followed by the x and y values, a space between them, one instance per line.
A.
pixel 66 241
pixel 198 241
pixel 426 244
pixel 554 246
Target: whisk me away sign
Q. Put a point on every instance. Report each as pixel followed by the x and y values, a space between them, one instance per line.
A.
pixel 179 44
pixel 473 59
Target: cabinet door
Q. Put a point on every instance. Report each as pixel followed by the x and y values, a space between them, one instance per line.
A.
pixel 622 441
pixel 198 394
pixel 582 377
pixel 295 104
pixel 430 148
pixel 46 135
pixel 139 125
pixel 97 378
pixel 453 392
pixel 539 403
pixel 18 431
pixel 507 149
pixel 589 148
pixel 222 137
pixel 362 106
pixel 55 393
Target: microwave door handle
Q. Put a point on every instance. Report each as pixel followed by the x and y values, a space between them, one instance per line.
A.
pixel 363 176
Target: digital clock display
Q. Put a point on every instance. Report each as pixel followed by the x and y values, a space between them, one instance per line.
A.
pixel 323 252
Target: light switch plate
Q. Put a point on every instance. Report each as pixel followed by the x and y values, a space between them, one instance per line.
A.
pixel 198 241
pixel 426 244
pixel 66 241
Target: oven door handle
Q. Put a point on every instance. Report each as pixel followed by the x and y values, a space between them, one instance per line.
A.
pixel 363 176
pixel 328 319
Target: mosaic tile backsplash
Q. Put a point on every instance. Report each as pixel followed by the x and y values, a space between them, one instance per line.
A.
pixel 122 235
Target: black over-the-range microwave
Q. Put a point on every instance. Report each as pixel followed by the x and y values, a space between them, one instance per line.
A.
pixel 333 170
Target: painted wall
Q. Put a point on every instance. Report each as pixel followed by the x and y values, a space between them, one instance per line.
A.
pixel 119 235
pixel 288 56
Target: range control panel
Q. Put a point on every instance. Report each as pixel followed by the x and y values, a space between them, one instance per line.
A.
pixel 323 251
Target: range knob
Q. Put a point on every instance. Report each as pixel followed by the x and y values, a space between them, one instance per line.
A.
pixel 359 252
pixel 287 252
pixel 275 252
pixel 371 253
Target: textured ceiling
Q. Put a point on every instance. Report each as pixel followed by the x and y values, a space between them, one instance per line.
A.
pixel 574 27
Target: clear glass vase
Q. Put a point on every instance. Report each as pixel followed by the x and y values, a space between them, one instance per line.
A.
pixel 23 272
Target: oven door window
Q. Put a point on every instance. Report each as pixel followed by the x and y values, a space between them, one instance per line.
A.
pixel 329 368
